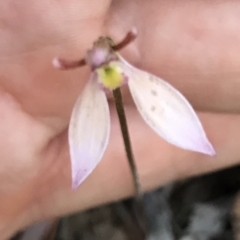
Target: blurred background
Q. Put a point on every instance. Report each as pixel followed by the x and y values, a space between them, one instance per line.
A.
pixel 201 208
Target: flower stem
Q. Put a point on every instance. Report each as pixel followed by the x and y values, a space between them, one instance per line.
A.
pixel 126 138
pixel 138 205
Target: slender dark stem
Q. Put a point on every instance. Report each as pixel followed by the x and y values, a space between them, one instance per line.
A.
pixel 127 143
pixel 131 36
pixel 138 205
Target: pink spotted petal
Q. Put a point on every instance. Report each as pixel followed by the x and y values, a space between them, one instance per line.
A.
pixel 166 111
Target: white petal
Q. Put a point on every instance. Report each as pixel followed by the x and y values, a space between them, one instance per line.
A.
pixel 166 111
pixel 88 131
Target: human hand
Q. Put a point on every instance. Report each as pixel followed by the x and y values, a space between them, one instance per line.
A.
pixel 193 45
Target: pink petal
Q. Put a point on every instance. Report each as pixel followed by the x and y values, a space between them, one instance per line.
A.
pixel 88 131
pixel 167 111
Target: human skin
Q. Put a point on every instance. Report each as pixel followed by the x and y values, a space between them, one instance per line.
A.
pixel 195 45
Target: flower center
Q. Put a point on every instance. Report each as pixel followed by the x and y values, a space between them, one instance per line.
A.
pixel 110 76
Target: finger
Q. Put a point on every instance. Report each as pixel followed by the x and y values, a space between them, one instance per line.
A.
pixel 192 44
pixel 29 43
pixel 158 163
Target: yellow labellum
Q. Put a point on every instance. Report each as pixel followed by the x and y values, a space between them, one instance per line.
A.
pixel 110 76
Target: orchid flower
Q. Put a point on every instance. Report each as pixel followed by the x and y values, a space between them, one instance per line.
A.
pixel 161 106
